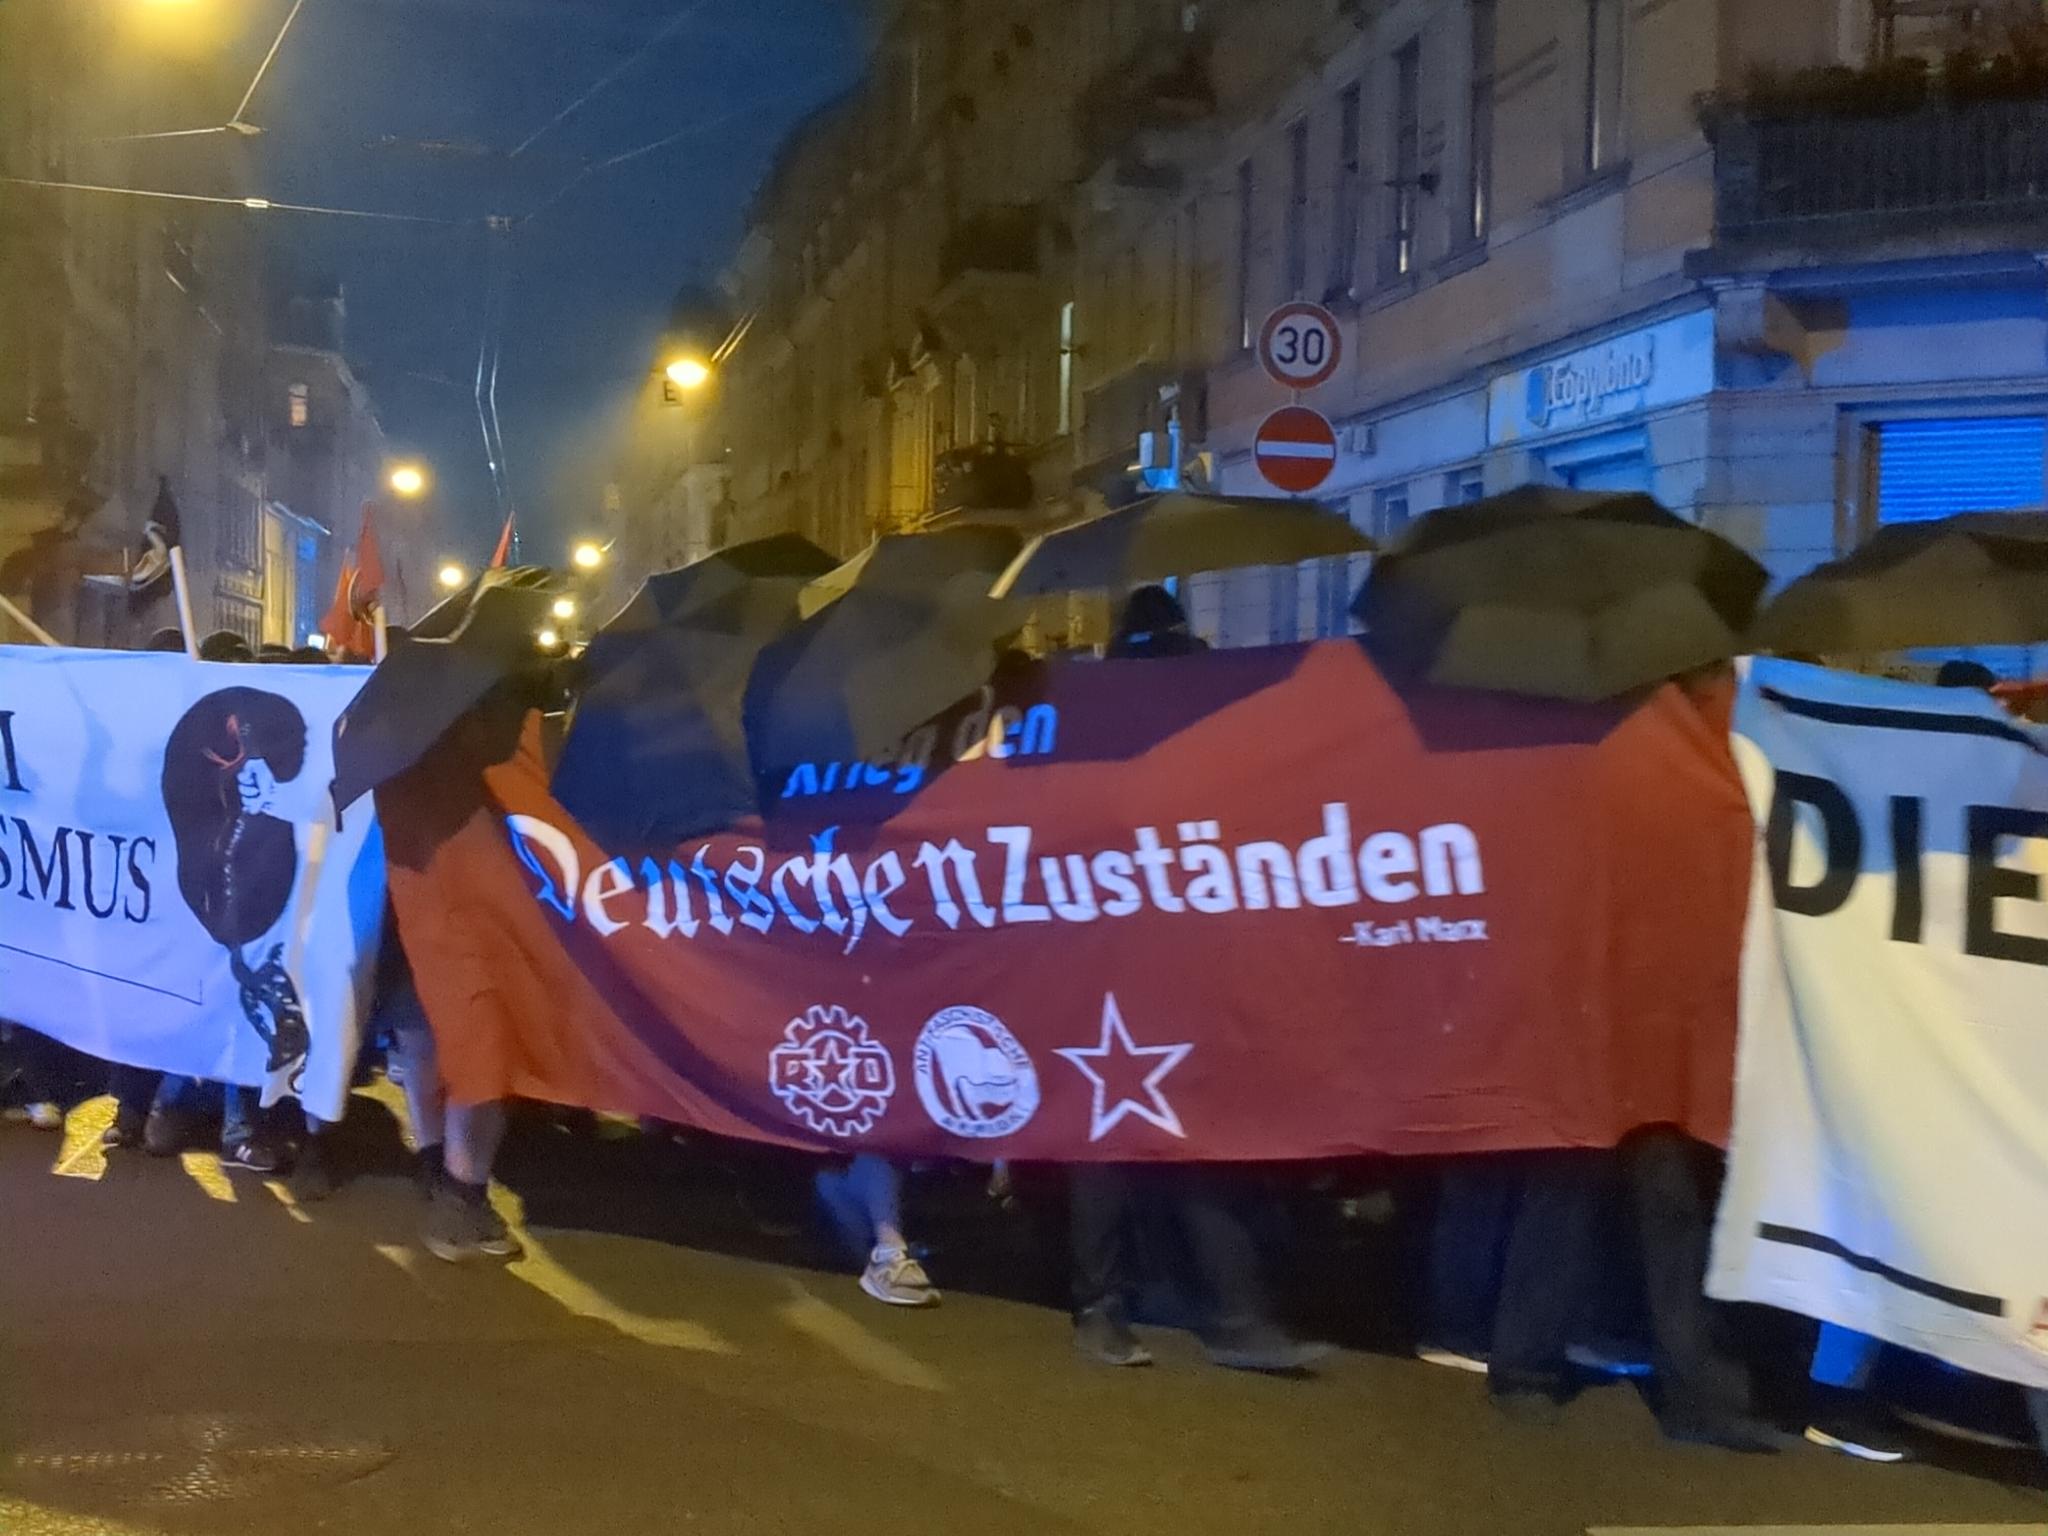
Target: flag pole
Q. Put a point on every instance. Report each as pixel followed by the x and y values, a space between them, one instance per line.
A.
pixel 381 629
pixel 184 590
pixel 41 635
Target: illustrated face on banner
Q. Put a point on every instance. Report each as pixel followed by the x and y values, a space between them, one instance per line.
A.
pixel 237 860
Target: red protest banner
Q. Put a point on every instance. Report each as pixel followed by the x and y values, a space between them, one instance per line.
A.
pixel 1248 905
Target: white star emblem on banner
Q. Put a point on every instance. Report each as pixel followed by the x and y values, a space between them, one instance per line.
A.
pixel 1117 1043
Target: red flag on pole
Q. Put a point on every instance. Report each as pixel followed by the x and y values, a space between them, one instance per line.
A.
pixel 344 629
pixel 368 587
pixel 504 550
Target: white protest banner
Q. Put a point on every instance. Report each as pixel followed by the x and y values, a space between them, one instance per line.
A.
pixel 1889 1166
pixel 157 904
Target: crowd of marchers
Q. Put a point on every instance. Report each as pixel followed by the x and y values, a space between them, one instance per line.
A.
pixel 1540 1271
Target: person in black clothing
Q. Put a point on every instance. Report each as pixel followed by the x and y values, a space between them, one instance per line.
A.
pixel 1154 624
pixel 1108 1201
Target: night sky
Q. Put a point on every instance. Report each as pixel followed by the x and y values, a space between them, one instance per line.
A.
pixel 592 275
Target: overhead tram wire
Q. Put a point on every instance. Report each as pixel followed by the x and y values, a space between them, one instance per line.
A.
pixel 236 123
pixel 490 346
pixel 674 25
pixel 687 131
pixel 253 204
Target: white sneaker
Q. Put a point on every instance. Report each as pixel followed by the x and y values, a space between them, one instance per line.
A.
pixel 1430 1354
pixel 894 1278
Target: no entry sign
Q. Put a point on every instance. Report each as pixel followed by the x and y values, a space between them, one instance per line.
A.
pixel 1296 449
pixel 1300 345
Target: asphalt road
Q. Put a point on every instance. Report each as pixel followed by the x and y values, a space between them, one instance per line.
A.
pixel 184 1351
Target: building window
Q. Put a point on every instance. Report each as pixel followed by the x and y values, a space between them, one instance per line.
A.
pixel 298 405
pixel 1602 139
pixel 1479 125
pixel 1462 485
pixel 1297 211
pixel 1066 416
pixel 1344 205
pixel 1397 258
pixel 1389 512
pixel 1242 294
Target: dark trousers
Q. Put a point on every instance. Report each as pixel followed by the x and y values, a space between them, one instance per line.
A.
pixel 34 1063
pixel 1476 1198
pixel 133 1088
pixel 1553 1261
pixel 1107 1203
pixel 1673 1181
pixel 1548 1266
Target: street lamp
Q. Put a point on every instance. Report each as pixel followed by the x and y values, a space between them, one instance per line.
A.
pixel 565 608
pixel 688 372
pixel 407 480
pixel 588 556
pixel 452 576
pixel 548 639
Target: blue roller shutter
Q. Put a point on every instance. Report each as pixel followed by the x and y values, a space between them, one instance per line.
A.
pixel 1969 464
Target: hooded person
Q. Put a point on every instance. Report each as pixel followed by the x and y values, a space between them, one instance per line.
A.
pixel 1154 624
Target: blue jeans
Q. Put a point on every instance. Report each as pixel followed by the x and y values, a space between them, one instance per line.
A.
pixel 191 1095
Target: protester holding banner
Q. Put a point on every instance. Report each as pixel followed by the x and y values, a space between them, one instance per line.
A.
pixel 1890 1139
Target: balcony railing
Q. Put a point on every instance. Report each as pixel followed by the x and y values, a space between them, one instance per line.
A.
pixel 1812 175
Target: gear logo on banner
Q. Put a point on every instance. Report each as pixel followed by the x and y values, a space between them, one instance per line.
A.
pixel 831 1074
pixel 973 1077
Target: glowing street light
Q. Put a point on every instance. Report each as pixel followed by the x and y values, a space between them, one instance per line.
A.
pixel 588 556
pixel 548 639
pixel 565 608
pixel 452 576
pixel 407 480
pixel 688 372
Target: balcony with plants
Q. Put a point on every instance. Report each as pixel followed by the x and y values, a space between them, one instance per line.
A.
pixel 1890 151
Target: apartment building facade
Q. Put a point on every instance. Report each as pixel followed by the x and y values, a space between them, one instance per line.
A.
pixel 139 342
pixel 1775 264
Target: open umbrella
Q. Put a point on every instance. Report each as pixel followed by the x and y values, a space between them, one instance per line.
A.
pixel 1177 534
pixel 670 595
pixel 657 749
pixel 908 560
pixel 1558 594
pixel 1977 579
pixel 914 632
pixel 436 673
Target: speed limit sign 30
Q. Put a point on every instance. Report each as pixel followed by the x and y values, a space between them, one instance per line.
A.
pixel 1300 345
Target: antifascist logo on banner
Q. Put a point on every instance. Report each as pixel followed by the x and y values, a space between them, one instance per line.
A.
pixel 831 1074
pixel 973 1077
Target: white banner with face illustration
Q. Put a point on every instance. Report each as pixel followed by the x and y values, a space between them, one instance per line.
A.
pixel 165 900
pixel 1889 1165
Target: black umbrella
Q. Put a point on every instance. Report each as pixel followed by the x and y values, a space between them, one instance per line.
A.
pixel 913 633
pixel 671 595
pixel 1977 579
pixel 436 673
pixel 657 751
pixel 1558 594
pixel 1177 534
